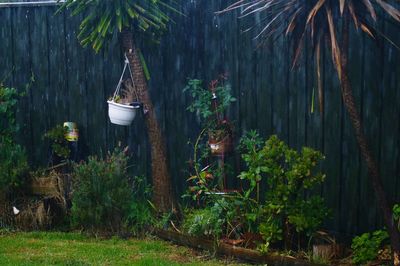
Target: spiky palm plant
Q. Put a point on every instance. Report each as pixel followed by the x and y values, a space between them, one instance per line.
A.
pixel 329 21
pixel 133 20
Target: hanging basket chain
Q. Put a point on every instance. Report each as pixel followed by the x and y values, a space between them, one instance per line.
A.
pixel 131 74
pixel 117 90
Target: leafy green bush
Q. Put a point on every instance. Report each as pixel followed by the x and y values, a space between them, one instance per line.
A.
pixel 13 159
pixel 8 103
pixel 13 165
pixel 396 214
pixel 141 211
pixel 59 144
pixel 289 175
pixel 209 221
pixel 103 200
pixel 281 213
pixel 366 247
pixel 203 97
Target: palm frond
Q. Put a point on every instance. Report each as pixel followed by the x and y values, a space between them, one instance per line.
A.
pixel 104 18
pixel 317 20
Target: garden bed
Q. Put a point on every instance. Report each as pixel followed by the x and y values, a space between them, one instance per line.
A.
pixel 224 249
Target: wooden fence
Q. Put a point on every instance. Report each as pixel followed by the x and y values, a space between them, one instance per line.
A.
pixel 72 84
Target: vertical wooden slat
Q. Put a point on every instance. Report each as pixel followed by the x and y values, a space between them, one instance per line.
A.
pixel 113 59
pixel 370 113
pixel 280 89
pixel 40 91
pixel 58 91
pixel 6 55
pixel 21 50
pixel 96 103
pixel 331 166
pixel 351 154
pixel 75 63
pixel 390 126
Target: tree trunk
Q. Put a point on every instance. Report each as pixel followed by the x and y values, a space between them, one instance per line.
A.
pixel 372 165
pixel 162 193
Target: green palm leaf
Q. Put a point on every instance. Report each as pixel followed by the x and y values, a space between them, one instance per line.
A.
pixel 104 18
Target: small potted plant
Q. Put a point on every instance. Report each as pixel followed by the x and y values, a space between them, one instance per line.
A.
pixel 122 108
pixel 210 104
pixel 220 138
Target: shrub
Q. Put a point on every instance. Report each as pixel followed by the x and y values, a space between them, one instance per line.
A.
pixel 13 159
pixel 209 221
pixel 59 144
pixel 8 103
pixel 141 211
pixel 289 175
pixel 366 247
pixel 101 194
pixel 13 165
pixel 396 214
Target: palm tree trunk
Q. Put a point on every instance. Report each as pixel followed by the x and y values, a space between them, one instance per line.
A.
pixel 162 194
pixel 372 165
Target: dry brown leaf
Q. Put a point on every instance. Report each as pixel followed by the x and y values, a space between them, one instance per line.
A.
pixel 370 8
pixel 342 2
pixel 292 23
pixel 367 30
pixel 392 11
pixel 353 14
pixel 298 50
pixel 314 10
pixel 334 45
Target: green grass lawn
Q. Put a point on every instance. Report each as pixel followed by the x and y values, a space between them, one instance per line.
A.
pixel 75 249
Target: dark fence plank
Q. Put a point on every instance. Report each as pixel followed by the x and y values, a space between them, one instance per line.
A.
pixel 6 51
pixel 21 50
pixel 76 80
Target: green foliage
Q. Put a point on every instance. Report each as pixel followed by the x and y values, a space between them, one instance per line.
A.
pixel 271 231
pixel 366 247
pixel 396 211
pixel 101 193
pixel 209 221
pixel 13 165
pixel 283 211
pixel 396 214
pixel 250 145
pixel 13 159
pixel 209 104
pixel 59 144
pixel 203 98
pixel 207 181
pixel 141 210
pixel 8 102
pixel 289 175
pixel 204 222
pixel 103 19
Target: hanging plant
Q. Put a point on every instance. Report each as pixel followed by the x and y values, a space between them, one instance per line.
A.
pixel 122 106
pixel 210 105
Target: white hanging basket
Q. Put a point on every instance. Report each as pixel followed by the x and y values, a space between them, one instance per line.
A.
pixel 121 114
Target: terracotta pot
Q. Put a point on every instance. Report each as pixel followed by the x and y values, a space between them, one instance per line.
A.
pixel 219 147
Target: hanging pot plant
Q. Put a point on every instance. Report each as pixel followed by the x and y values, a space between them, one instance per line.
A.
pixel 122 106
pixel 122 114
pixel 210 105
pixel 220 138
